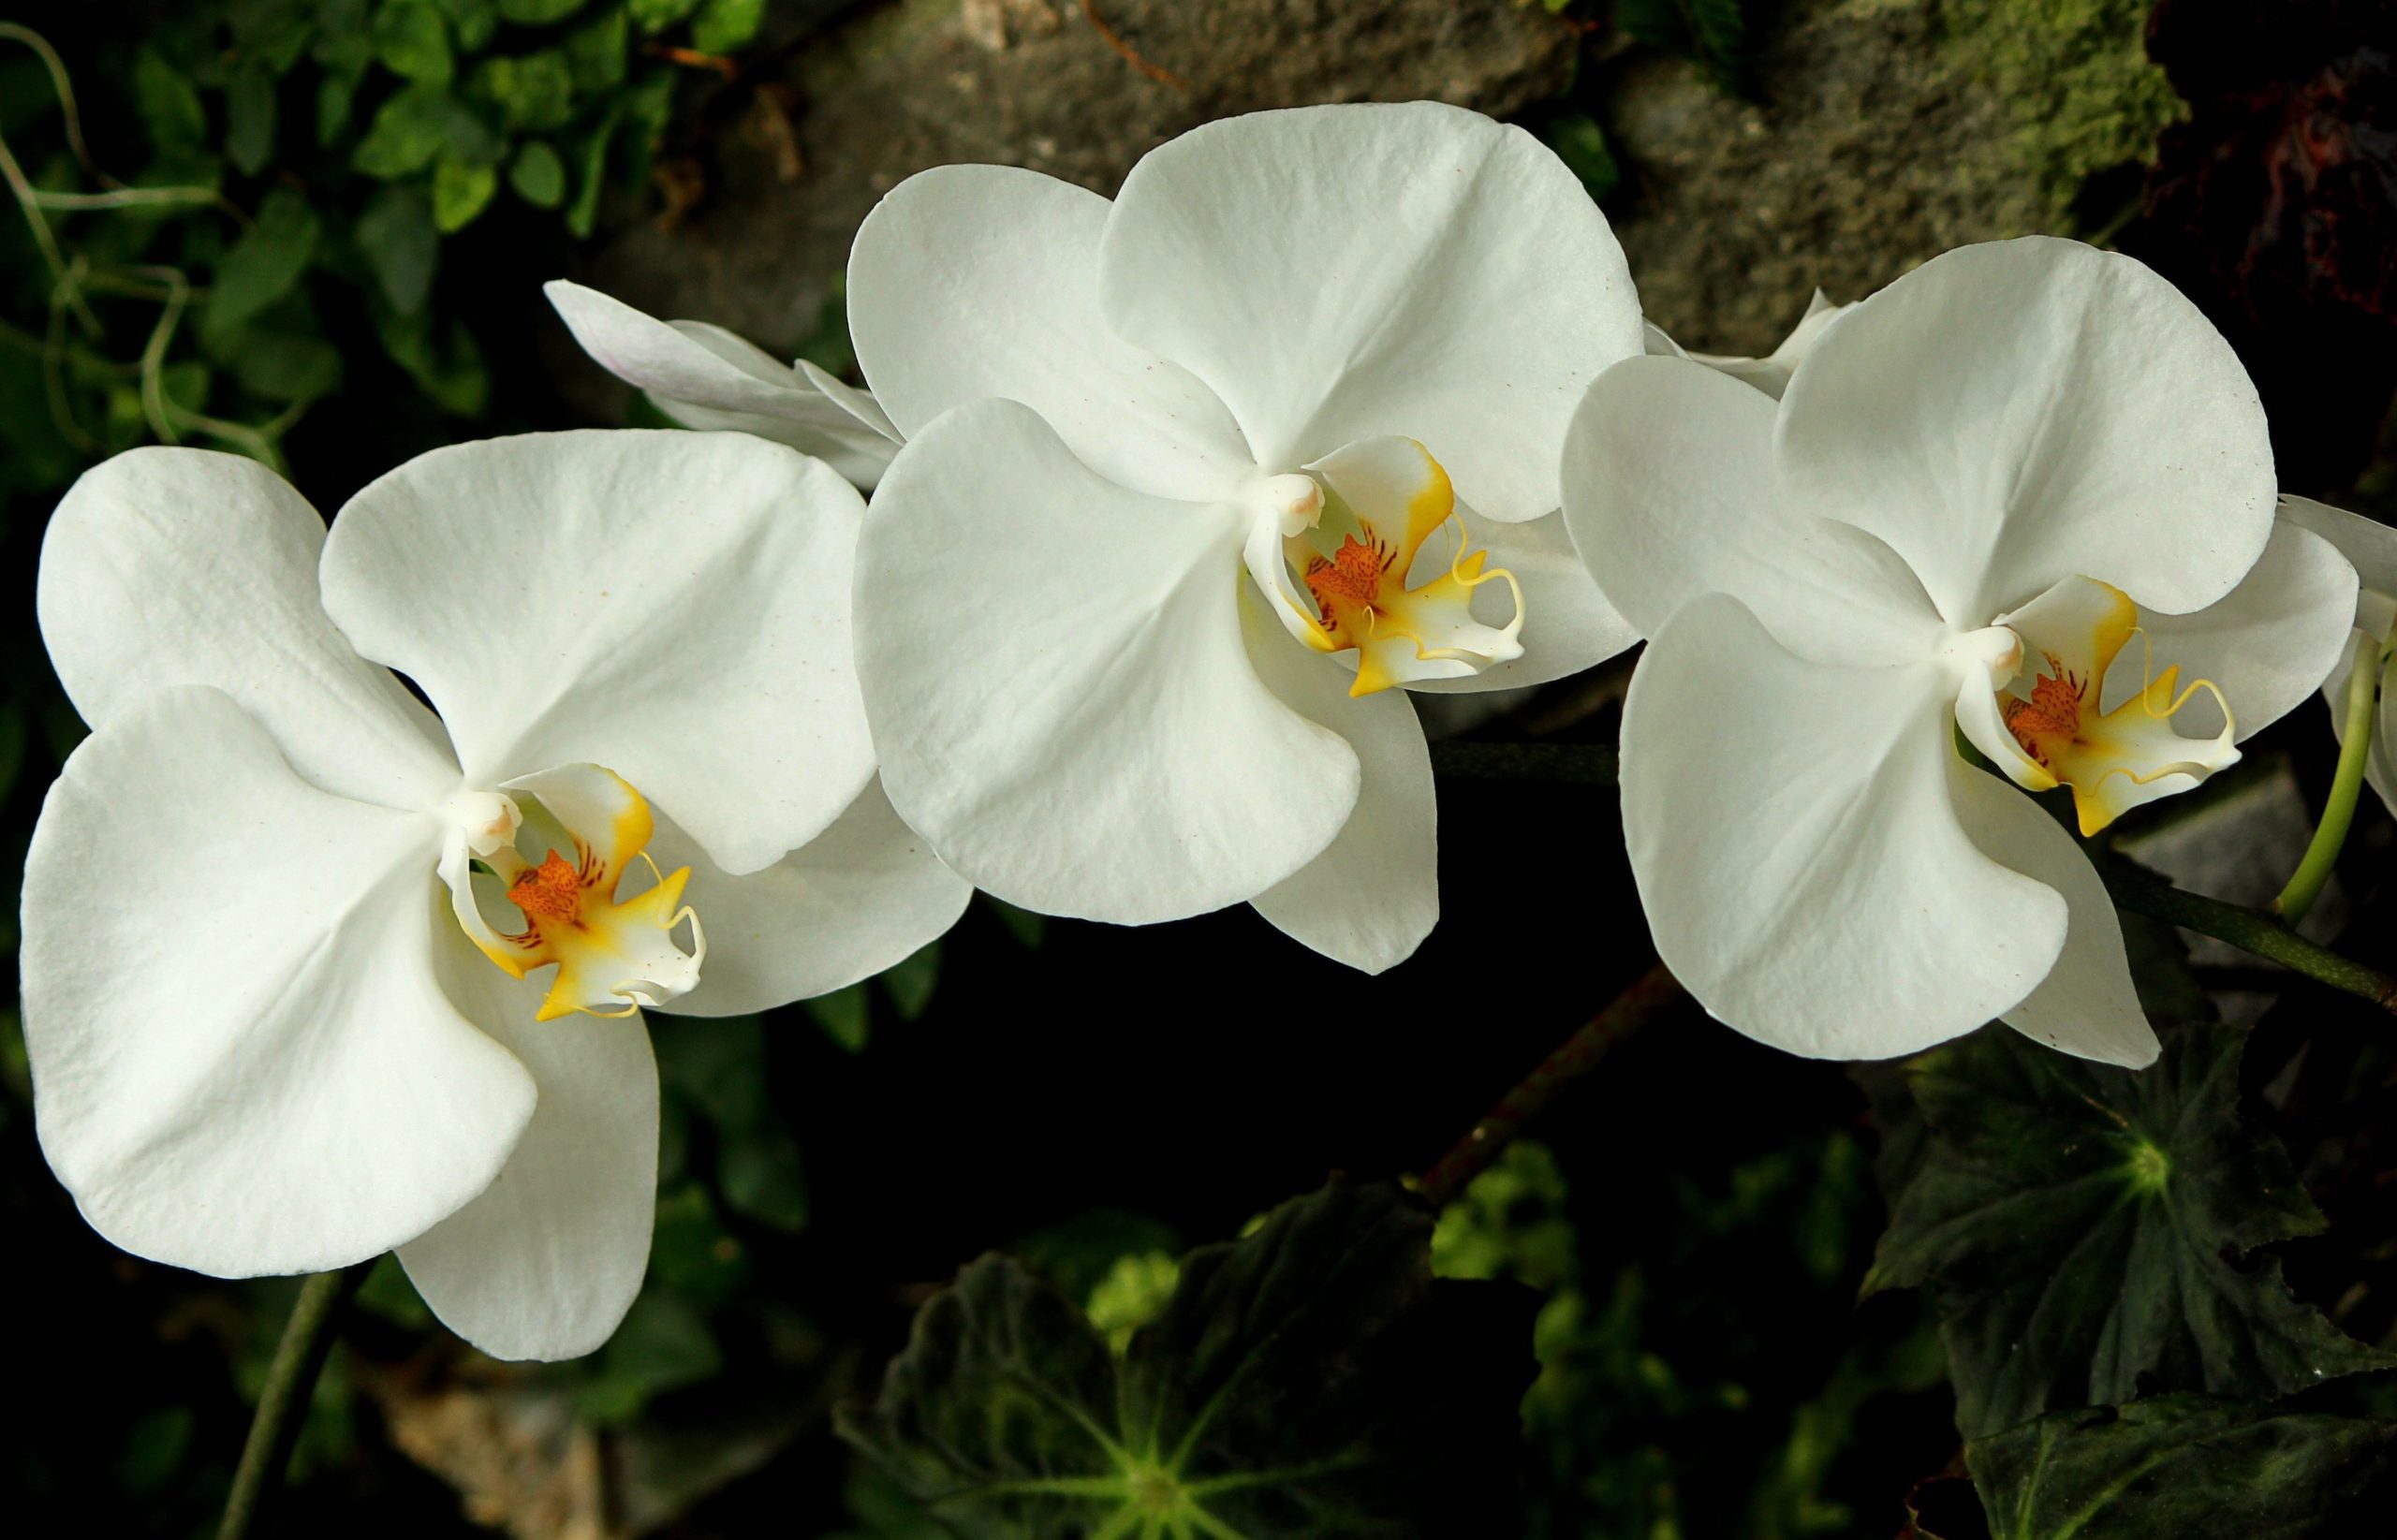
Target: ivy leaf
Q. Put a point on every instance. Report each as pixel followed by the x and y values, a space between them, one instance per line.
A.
pixel 658 15
pixel 912 979
pixel 534 92
pixel 397 234
pixel 843 1015
pixel 2088 1229
pixel 537 175
pixel 249 121
pixel 2177 1466
pixel 1712 32
pixel 536 13
pixel 413 41
pixel 266 263
pixel 723 25
pixel 1581 145
pixel 460 192
pixel 1310 1382
pixel 418 124
pixel 473 21
pixel 596 51
pixel 168 102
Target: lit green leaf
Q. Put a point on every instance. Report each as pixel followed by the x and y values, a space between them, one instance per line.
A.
pixel 1581 145
pixel 912 980
pixel 460 193
pixel 658 15
pixel 723 25
pixel 537 175
pixel 591 169
pixel 599 49
pixel 396 235
pixel 539 12
pixel 412 40
pixel 473 21
pixel 534 92
pixel 2178 1467
pixel 444 361
pixel 1312 1381
pixel 249 121
pixel 265 263
pixel 2088 1230
pixel 168 102
pixel 417 124
pixel 842 1015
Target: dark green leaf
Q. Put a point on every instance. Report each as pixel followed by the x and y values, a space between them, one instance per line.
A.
pixel 599 51
pixel 473 21
pixel 537 175
pixel 762 1177
pixel 272 33
pixel 534 92
pixel 417 124
pixel 1712 32
pixel 335 94
pixel 1311 1381
pixel 445 363
pixel 2180 1467
pixel 912 980
pixel 658 15
pixel 460 193
pixel 662 1343
pixel 279 365
pixel 1581 144
pixel 265 263
pixel 591 169
pixel 168 102
pixel 842 1015
pixel 723 25
pixel 413 41
pixel 396 234
pixel 539 12
pixel 2087 1229
pixel 249 121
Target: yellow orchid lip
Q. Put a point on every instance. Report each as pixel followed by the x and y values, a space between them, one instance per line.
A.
pixel 1385 498
pixel 612 955
pixel 2113 760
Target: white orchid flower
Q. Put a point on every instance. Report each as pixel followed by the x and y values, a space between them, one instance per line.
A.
pixel 1769 374
pixel 288 934
pixel 703 377
pixel 2371 546
pixel 1193 477
pixel 2023 493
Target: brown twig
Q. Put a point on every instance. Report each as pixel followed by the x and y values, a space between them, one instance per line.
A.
pixel 1654 992
pixel 1132 55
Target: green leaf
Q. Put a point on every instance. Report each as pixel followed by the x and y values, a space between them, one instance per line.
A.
pixel 534 92
pixel 167 103
pixel 418 124
pixel 446 364
pixel 1312 1381
pixel 1581 145
pixel 598 52
pixel 663 1343
pixel 1712 32
pixel 397 235
pixel 591 169
pixel 460 193
pixel 843 1015
pixel 473 21
pixel 413 41
pixel 912 980
pixel 284 366
pixel 658 15
pixel 2087 1229
pixel 249 121
pixel 723 25
pixel 266 263
pixel 2181 1466
pixel 537 175
pixel 539 12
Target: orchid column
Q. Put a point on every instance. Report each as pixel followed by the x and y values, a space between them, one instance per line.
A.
pixel 1194 480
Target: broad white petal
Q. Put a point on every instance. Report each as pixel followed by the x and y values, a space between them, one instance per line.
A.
pixel 243 1062
pixel 2369 544
pixel 547 1260
pixel 2087 1005
pixel 2013 414
pixel 974 281
pixel 1670 493
pixel 1771 374
pixel 862 895
pixel 1568 625
pixel 184 567
pixel 1058 685
pixel 1374 894
pixel 2371 547
pixel 706 377
pixel 1340 273
pixel 671 605
pixel 1802 864
pixel 2268 644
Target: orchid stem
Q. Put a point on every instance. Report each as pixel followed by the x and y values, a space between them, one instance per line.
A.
pixel 2371 661
pixel 290 1380
pixel 2250 930
pixel 1654 992
pixel 1557 764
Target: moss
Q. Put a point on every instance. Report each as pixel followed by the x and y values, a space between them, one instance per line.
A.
pixel 2082 93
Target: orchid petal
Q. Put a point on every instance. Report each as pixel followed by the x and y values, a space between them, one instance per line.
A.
pixel 671 605
pixel 184 566
pixel 1055 667
pixel 1568 625
pixel 1794 835
pixel 2268 644
pixel 242 1061
pixel 975 281
pixel 1338 272
pixel 2011 415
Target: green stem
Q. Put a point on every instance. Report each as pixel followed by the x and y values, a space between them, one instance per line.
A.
pixel 2250 930
pixel 299 1358
pixel 1654 992
pixel 2364 670
pixel 1558 764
